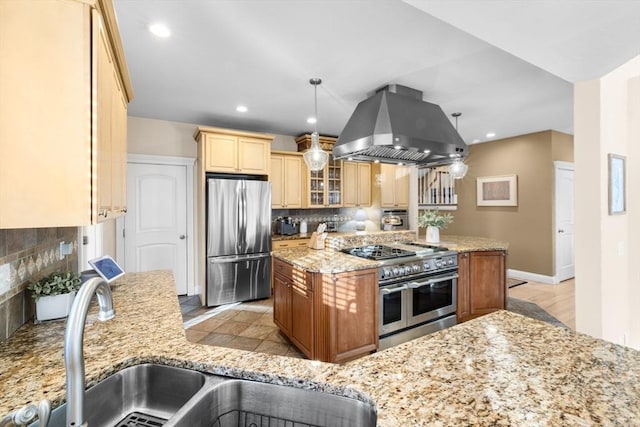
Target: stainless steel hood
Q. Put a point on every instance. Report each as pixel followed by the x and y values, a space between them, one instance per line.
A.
pixel 395 125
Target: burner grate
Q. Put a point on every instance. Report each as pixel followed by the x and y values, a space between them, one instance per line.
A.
pixel 378 252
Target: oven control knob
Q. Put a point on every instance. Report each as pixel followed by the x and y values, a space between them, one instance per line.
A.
pixel 438 264
pixel 415 268
pixel 407 270
pixel 426 266
pixel 386 271
pixel 450 262
pixel 395 271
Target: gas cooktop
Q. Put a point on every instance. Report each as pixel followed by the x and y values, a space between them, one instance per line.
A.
pixel 378 252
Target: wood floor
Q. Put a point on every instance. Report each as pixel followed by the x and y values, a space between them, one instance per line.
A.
pixel 558 300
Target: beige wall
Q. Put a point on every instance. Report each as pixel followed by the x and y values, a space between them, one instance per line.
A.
pixel 528 226
pixel 607 120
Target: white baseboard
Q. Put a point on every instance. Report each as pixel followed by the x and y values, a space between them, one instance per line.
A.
pixel 535 277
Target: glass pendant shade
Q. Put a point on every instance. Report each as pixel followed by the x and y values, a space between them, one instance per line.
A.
pixel 315 158
pixel 458 169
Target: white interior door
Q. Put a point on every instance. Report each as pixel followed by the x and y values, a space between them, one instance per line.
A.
pixel 564 202
pixel 156 221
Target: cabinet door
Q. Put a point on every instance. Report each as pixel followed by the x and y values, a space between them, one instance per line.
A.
pixel 276 176
pixel 103 120
pixel 302 316
pixel 221 152
pixel 463 306
pixel 355 310
pixel 119 148
pixel 487 278
pixel 350 190
pixel 364 184
pixel 316 185
pixel 387 186
pixel 253 156
pixel 333 183
pixel 292 182
pixel 402 186
pixel 282 303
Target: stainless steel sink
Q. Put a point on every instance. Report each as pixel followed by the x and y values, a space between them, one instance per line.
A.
pixel 148 394
pixel 249 403
pixel 156 395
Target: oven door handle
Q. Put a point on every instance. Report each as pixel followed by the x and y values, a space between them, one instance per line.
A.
pixel 431 282
pixel 385 291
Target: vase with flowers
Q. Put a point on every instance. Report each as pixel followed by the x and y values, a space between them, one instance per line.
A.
pixel 433 221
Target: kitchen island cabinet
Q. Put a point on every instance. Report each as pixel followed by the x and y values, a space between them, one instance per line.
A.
pixel 481 283
pixel 329 317
pixel 63 114
pixel 498 369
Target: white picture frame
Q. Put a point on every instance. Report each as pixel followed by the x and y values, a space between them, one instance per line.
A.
pixel 499 190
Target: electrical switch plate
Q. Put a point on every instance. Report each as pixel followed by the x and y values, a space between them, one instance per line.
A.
pixel 65 249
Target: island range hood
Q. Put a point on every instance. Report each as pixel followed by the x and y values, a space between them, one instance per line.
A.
pixel 394 125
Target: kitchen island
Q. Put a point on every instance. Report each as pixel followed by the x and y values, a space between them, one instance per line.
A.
pixel 499 369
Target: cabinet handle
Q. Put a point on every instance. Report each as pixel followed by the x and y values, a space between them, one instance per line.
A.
pixel 103 212
pixel 182 237
pixel 124 210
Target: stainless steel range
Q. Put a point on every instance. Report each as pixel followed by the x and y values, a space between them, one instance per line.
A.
pixel 417 285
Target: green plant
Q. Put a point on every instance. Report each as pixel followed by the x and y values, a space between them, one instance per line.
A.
pixel 434 219
pixel 54 284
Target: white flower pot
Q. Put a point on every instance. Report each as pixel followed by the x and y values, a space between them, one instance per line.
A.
pixel 54 307
pixel 433 234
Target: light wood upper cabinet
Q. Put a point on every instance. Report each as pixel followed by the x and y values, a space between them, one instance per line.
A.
pixel 231 151
pixel 324 187
pixel 394 186
pixel 62 133
pixel 356 184
pixel 286 180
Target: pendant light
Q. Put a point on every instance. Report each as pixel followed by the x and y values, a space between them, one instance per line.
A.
pixel 457 169
pixel 315 158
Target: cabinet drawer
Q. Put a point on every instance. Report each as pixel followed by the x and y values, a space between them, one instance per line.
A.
pixel 282 268
pixel 279 244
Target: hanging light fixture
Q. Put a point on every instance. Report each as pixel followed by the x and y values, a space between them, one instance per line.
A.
pixel 457 169
pixel 315 158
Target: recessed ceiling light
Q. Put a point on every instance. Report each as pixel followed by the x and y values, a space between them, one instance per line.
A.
pixel 241 109
pixel 475 141
pixel 159 30
pixel 311 120
pixel 490 134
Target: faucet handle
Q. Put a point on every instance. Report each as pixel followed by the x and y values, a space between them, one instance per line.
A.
pixel 27 414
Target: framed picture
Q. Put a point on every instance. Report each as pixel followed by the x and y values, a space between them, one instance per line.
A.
pixel 497 190
pixel 617 185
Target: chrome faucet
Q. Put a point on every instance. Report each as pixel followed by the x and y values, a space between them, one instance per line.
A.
pixel 73 337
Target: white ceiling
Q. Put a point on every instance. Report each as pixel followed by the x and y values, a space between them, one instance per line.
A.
pixel 507 65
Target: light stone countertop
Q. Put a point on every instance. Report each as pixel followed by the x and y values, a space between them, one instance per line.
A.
pixel 499 369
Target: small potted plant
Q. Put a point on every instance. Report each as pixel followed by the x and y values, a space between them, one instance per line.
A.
pixel 434 222
pixel 54 295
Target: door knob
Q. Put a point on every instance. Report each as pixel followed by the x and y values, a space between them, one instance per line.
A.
pixel 182 237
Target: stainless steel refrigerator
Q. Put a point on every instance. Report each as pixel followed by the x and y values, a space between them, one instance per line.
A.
pixel 238 238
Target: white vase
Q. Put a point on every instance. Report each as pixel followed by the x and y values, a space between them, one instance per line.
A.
pixel 54 307
pixel 433 234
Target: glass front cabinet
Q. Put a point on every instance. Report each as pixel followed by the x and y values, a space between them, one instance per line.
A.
pixel 324 187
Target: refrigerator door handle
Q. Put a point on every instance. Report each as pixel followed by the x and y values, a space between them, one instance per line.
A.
pixel 230 258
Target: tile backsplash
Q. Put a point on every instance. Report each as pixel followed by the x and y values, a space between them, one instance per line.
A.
pixel 27 255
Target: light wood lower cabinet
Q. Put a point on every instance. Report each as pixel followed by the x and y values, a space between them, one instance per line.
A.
pixel 279 244
pixel 481 283
pixel 329 317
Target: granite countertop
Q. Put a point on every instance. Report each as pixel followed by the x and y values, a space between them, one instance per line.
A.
pixel 498 369
pixel 279 237
pixel 331 260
